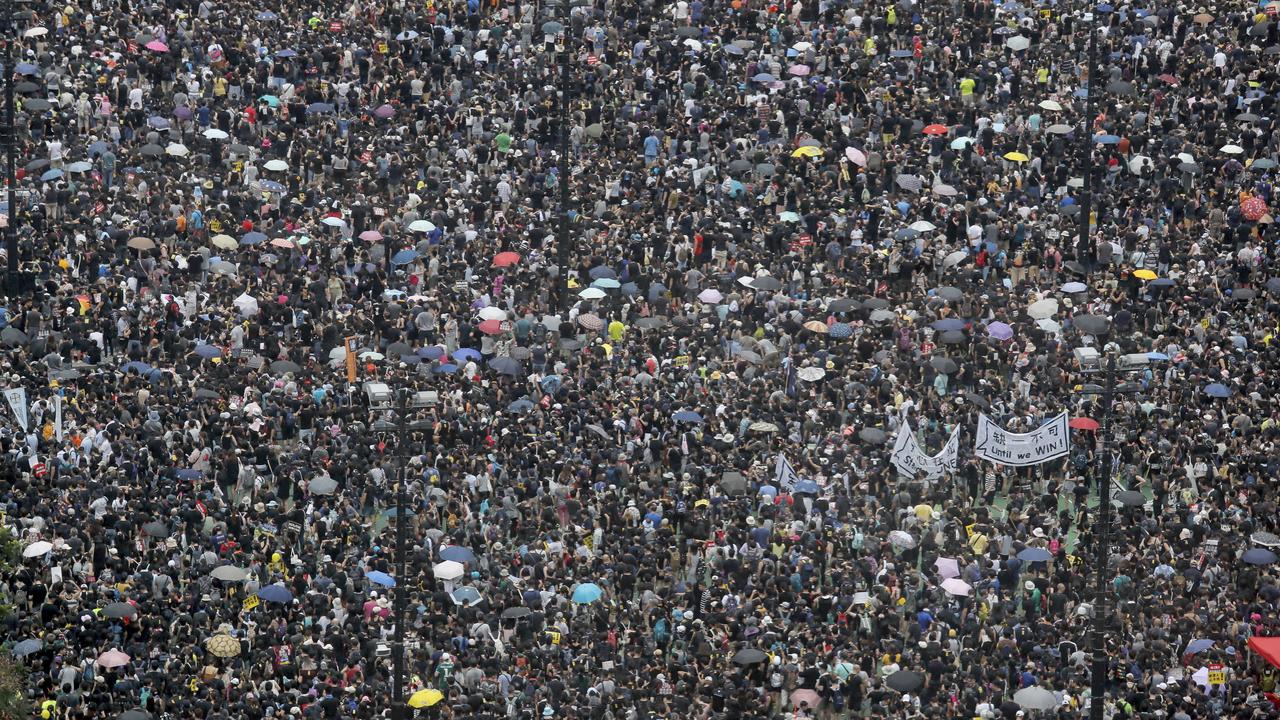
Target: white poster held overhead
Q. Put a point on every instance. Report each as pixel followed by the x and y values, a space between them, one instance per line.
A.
pixel 57 416
pixel 910 459
pixel 1050 441
pixel 785 475
pixel 17 398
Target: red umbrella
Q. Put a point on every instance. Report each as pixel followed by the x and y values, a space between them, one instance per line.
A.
pixel 1083 423
pixel 935 129
pixel 491 327
pixel 1168 78
pixel 506 259
pixel 1253 208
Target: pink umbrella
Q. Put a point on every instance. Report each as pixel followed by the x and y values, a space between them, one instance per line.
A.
pixel 956 586
pixel 157 46
pixel 113 659
pixel 856 156
pixel 947 567
pixel 810 698
pixel 283 243
pixel 384 111
pixel 371 236
pixel 491 327
pixel 798 70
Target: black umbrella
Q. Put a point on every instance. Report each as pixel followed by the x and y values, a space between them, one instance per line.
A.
pixel 1092 324
pixel 905 681
pixel 944 365
pixel 739 166
pixel 875 436
pixel 285 366
pixel 37 104
pixel 843 305
pixel 156 529
pixel 875 303
pixel 1130 498
pixel 1243 294
pixel 1075 266
pixel 954 294
pixel 978 400
pixel 749 656
pixel 118 610
pixel 733 483
pixel 13 337
pixel 515 613
pixel 1273 286
pixel 952 337
pixel 767 283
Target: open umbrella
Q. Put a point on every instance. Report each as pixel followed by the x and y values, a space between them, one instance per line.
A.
pixel 1084 423
pixel 119 610
pixel 448 570
pixel 223 646
pixel 905 681
pixel 113 658
pixel 749 656
pixel 37 549
pixel 425 698
pixel 229 573
pixel 323 485
pixel 276 593
pixel 26 647
pixel 587 593
pixel 1035 554
pixel 1000 331
pixel 1198 645
pixel 1035 698
pixel 1258 556
pixel 902 539
pixel 457 553
pixel 1217 390
pixel 956 586
pixel 156 529
pixel 380 578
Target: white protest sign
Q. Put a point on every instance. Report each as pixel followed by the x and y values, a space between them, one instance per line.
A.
pixel 1050 441
pixel 785 475
pixel 17 398
pixel 910 459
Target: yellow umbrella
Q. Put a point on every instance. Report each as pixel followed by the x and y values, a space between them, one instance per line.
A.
pixel 425 698
pixel 224 646
pixel 1144 274
pixel 816 326
pixel 1016 157
pixel 807 151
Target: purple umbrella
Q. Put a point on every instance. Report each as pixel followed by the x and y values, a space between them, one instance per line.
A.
pixel 384 111
pixel 1000 331
pixel 182 112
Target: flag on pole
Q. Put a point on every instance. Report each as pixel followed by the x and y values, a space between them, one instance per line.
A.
pixel 17 398
pixel 785 475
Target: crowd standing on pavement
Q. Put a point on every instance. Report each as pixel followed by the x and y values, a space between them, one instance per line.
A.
pixel 795 229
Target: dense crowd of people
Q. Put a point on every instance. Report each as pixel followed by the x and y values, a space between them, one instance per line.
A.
pixel 795 230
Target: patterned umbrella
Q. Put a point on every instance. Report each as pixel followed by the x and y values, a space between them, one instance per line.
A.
pixel 1253 208
pixel 223 646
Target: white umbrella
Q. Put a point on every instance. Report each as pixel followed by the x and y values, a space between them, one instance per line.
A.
pixel 276 165
pixel 1042 309
pixel 215 134
pixel 902 539
pixel 177 150
pixel 1018 42
pixel 954 258
pixel 710 296
pixel 332 221
pixel 246 304
pixel 1035 698
pixel 1185 157
pixel 956 586
pixel 923 226
pixel 1050 105
pixel 1231 149
pixel 1048 325
pixel 591 293
pixel 1137 162
pixel 423 226
pixel 37 548
pixel 492 313
pixel 811 374
pixel 36 31
pixel 448 570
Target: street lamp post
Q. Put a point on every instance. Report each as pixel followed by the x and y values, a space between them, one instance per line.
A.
pixel 8 137
pixel 562 243
pixel 1086 137
pixel 401 428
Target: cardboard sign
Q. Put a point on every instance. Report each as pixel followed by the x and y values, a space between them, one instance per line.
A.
pixel 250 603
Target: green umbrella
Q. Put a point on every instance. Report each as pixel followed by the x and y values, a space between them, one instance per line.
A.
pixel 504 142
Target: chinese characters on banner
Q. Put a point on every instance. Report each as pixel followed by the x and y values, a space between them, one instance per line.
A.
pixel 1050 441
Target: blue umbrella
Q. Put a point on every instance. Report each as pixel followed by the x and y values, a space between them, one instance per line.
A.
pixel 404 257
pixel 465 354
pixel 432 352
pixel 395 512
pixel 687 416
pixel 158 122
pixel 1259 556
pixel 520 406
pixel 271 186
pixel 600 271
pixel 630 289
pixel 286 54
pixel 253 237
pixel 26 647
pixel 587 593
pixel 275 593
pixel 763 78
pixel 319 107
pixel 505 365
pixel 140 367
pixel 1217 390
pixel 188 474
pixel 1198 645
pixel 445 368
pixel 1162 282
pixel 1157 356
pixel 466 595
pixel 807 487
pixel 606 284
pixel 1106 139
pixel 948 324
pixel 551 384
pixel 267 15
pixel 1034 554
pixel 840 330
pixel 208 352
pixel 80 166
pixel 380 578
pixel 27 69
pixel 457 553
pixel 53 174
pixel 903 53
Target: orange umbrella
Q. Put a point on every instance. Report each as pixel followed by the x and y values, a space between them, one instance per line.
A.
pixel 1084 423
pixel 935 129
pixel 506 259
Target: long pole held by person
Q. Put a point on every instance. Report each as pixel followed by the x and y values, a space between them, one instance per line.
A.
pixel 8 136
pixel 399 709
pixel 1086 137
pixel 562 243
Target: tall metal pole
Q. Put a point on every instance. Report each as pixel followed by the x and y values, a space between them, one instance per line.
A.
pixel 8 135
pixel 399 710
pixel 562 243
pixel 1101 543
pixel 1086 198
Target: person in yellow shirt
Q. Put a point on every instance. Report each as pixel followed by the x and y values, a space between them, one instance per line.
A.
pixel 616 329
pixel 967 86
